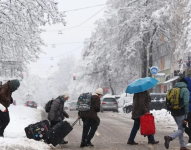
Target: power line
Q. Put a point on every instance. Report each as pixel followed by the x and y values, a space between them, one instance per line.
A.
pixel 85 7
pixel 64 53
pixel 64 43
pixel 77 25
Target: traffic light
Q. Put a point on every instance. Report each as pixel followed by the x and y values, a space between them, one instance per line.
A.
pixel 21 75
pixel 74 77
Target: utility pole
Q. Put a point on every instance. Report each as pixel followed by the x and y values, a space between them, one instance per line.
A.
pixel 147 51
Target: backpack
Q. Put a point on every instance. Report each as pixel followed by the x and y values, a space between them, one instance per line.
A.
pixel 173 100
pixel 48 105
pixel 84 102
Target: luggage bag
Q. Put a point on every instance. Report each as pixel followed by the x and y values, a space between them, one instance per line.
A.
pixel 59 131
pixel 38 131
pixel 147 124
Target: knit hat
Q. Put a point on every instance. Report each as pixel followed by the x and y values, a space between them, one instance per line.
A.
pixel 14 84
pixel 66 94
pixel 184 80
pixel 99 91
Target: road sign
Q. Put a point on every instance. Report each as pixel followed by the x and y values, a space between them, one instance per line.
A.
pixel 154 70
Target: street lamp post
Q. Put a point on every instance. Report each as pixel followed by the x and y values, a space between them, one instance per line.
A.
pixel 112 91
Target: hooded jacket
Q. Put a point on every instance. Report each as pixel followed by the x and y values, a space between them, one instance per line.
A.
pixel 56 111
pixel 189 88
pixel 94 108
pixel 140 104
pixel 184 94
pixel 5 95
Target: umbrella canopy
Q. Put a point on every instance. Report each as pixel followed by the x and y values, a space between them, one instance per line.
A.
pixel 141 85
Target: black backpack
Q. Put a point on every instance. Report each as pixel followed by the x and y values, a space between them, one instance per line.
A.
pixel 48 105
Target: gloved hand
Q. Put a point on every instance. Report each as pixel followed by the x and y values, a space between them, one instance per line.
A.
pixel 2 108
pixel 184 125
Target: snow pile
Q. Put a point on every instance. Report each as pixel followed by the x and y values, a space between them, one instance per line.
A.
pixel 14 136
pixel 163 117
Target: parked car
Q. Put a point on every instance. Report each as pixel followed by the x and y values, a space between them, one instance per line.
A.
pixel 31 104
pixel 124 98
pixel 73 106
pixel 158 101
pixel 109 103
pixel 66 105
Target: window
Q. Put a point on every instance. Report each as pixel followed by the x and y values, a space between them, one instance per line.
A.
pixel 109 100
pixel 162 63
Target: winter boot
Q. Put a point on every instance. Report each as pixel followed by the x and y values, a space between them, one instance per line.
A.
pixel 64 142
pixel 167 141
pixel 89 143
pixel 84 144
pixel 132 143
pixel 153 142
pixel 184 148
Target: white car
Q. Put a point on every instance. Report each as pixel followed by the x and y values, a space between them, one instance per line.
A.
pixel 66 105
pixel 158 101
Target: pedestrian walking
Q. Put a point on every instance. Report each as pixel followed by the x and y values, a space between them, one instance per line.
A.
pixel 5 100
pixel 179 114
pixel 90 118
pixel 141 102
pixel 187 121
pixel 57 112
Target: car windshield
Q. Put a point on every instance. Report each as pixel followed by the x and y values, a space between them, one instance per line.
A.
pixel 109 100
pixel 73 104
pixel 157 96
pixel 30 102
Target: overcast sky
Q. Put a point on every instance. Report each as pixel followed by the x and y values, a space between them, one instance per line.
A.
pixel 47 65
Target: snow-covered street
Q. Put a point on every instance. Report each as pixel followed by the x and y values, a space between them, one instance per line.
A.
pixel 15 137
pixel 113 131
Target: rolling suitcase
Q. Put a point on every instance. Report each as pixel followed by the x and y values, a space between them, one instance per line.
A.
pixel 59 131
pixel 147 124
pixel 38 131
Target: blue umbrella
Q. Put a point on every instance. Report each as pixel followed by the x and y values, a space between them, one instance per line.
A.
pixel 141 85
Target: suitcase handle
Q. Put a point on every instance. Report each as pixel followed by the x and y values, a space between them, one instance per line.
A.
pixel 147 114
pixel 75 122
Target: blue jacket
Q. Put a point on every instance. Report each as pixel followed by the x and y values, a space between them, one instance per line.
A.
pixel 189 88
pixel 185 94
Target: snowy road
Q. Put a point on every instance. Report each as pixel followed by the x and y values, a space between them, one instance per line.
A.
pixel 113 133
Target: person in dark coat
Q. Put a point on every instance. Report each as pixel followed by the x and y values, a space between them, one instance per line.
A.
pixel 188 119
pixel 90 119
pixel 140 107
pixel 5 100
pixel 57 112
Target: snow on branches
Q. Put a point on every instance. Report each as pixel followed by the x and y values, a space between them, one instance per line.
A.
pixel 19 27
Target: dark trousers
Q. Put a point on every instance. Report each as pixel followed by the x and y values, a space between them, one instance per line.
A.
pixel 134 130
pixel 4 121
pixel 89 128
pixel 188 129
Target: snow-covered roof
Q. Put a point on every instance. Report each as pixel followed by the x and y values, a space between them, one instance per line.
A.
pixel 173 79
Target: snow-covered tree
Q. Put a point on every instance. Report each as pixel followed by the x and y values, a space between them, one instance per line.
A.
pixel 20 22
pixel 116 53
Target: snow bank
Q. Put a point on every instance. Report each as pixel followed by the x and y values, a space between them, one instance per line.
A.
pixel 14 136
pixel 163 117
